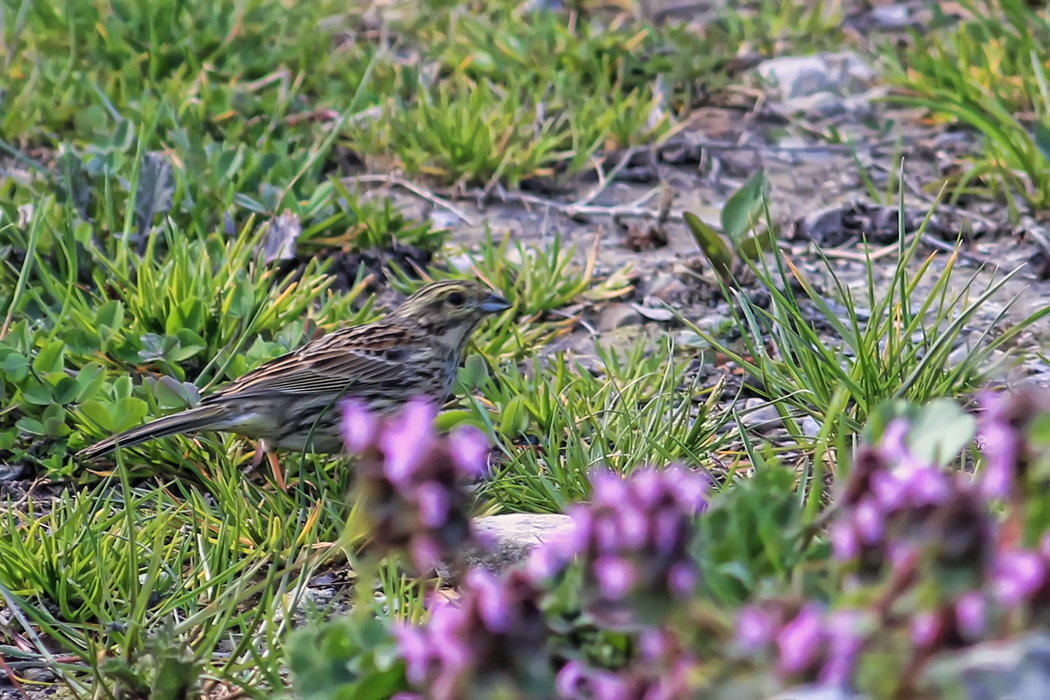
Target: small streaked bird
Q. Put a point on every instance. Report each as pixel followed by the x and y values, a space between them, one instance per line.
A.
pixel 292 402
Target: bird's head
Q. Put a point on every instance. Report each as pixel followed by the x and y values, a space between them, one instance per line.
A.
pixel 450 309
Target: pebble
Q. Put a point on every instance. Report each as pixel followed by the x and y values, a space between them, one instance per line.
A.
pixel 761 416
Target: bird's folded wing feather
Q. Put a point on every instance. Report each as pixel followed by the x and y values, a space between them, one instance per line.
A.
pixel 329 370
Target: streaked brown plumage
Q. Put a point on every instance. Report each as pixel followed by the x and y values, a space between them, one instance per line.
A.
pixel 415 350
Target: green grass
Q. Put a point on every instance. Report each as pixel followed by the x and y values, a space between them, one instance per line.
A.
pixel 150 157
pixel 988 75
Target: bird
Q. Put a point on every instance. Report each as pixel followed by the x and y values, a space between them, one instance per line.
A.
pixel 292 402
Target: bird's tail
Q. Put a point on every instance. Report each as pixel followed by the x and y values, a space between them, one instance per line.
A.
pixel 194 419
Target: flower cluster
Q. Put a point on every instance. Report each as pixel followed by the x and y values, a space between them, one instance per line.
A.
pixel 489 643
pixel 1002 427
pixel 898 509
pixel 410 480
pixel 810 643
pixel 633 539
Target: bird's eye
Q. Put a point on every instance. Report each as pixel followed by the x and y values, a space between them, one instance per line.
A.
pixel 456 299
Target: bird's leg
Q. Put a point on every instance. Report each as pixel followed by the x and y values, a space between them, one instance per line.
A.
pixel 263 450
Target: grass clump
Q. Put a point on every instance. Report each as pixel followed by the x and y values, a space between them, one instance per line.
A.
pixel 986 74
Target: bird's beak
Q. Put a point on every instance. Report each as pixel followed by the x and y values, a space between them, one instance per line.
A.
pixel 493 304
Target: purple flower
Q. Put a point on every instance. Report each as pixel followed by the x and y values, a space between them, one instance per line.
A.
pixel 578 682
pixel 688 487
pixel 546 559
pixel 434 504
pixel 571 680
pixel 633 527
pixel 928 485
pixel 608 488
pixel 606 534
pixel 800 639
pixel 1002 448
pixel 971 615
pixel 1017 576
pixel 425 552
pixel 413 647
pixel 653 644
pixel 582 527
pixel 667 530
pixel 893 440
pixel 493 601
pixel 615 575
pixel 890 490
pixel 682 579
pixel 843 628
pixel 754 629
pixel 359 426
pixel 470 450
pixel 844 543
pixel 925 628
pixel 648 487
pixel 868 520
pixel 406 440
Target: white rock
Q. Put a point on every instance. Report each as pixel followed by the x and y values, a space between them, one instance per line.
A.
pixel 798 76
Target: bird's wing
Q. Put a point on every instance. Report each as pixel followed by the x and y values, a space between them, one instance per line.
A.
pixel 329 365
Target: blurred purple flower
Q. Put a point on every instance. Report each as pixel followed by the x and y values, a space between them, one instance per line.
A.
pixel 359 427
pixel 616 576
pixel 755 628
pixel 647 486
pixel 690 488
pixel 971 615
pixel 608 488
pixel 668 527
pixel 868 521
pixel 928 485
pixel 925 628
pixel 425 552
pixel 633 526
pixel 434 504
pixel 470 450
pixel 1001 450
pixel 493 601
pixel 493 634
pixel 653 644
pixel 799 641
pixel 682 579
pixel 1018 574
pixel 844 543
pixel 889 489
pixel 571 681
pixel 605 532
pixel 845 638
pixel 894 436
pixel 414 649
pixel 406 439
pixel 547 559
pixel 576 681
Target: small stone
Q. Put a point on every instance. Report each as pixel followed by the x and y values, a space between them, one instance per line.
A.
pixel 761 416
pixel 654 313
pixel 615 316
pixel 791 77
pixel 819 105
pixel 38 675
